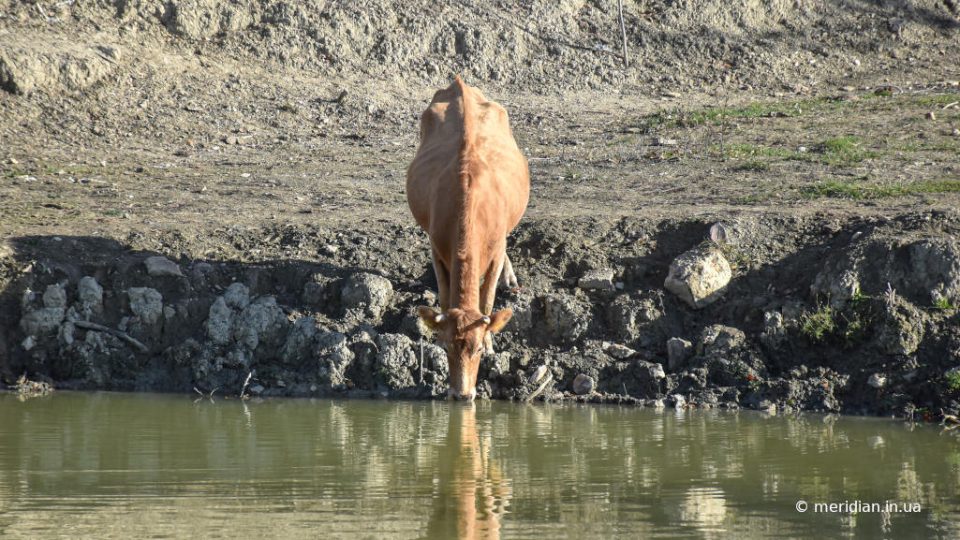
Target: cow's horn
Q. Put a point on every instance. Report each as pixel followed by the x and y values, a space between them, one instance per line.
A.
pixel 486 319
pixel 439 317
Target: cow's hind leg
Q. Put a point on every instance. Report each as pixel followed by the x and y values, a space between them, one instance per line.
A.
pixel 508 280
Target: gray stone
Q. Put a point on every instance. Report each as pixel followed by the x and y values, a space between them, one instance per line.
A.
pixel 597 279
pixel 367 293
pixel 583 384
pixel 718 339
pixel 219 322
pixel 837 287
pixel 298 346
pixel 656 371
pixel 774 335
pixel 334 357
pixel 66 332
pixel 313 293
pixel 901 329
pixel 28 343
pixel 566 318
pixel 396 361
pixel 42 321
pixel 55 296
pixel 237 296
pixel 90 293
pixel 146 304
pixel 435 359
pixel 618 351
pixel 158 266
pixel 699 276
pixel 877 380
pixel 678 351
pixel 261 321
pixel 678 401
pixel 629 316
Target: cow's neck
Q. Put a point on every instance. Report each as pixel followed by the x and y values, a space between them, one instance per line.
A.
pixel 465 283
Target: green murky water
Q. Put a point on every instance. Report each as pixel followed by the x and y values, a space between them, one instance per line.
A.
pixel 136 466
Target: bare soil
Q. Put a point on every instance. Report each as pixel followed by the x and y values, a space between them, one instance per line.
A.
pixel 260 134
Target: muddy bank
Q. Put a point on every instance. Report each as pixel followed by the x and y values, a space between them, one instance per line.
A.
pixel 817 314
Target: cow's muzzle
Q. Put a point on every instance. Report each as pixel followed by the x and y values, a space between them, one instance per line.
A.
pixel 462 396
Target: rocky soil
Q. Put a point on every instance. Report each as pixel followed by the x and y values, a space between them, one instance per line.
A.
pixel 757 209
pixel 777 313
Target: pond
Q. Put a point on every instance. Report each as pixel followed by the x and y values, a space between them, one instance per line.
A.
pixel 118 465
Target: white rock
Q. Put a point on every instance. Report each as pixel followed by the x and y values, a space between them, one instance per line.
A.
pixel 877 381
pixel 538 374
pixel 699 276
pixel 656 371
pixel 618 351
pixel 597 279
pixel 161 266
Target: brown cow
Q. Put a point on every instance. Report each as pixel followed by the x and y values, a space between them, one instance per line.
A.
pixel 467 187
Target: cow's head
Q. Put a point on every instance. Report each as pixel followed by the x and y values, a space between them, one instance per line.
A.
pixel 462 333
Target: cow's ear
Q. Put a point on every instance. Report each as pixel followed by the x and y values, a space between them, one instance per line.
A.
pixel 499 319
pixel 431 317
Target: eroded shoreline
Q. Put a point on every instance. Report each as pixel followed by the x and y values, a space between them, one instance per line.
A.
pixel 858 316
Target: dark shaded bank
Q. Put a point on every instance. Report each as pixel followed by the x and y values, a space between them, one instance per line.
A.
pixel 857 316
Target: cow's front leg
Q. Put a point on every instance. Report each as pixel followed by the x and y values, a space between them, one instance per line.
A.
pixel 443 281
pixel 488 292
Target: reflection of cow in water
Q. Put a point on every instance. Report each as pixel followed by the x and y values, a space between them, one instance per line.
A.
pixel 472 493
pixel 467 187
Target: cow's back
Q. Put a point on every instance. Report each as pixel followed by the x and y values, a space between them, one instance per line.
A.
pixel 434 185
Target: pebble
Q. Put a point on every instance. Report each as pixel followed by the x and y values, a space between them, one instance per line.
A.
pixel 663 141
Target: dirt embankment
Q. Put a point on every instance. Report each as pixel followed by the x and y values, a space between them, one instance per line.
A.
pixel 858 316
pixel 196 192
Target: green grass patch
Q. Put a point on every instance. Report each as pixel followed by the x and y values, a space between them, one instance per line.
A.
pixel 846 150
pixel 944 304
pixel 818 325
pixel 719 115
pixel 836 189
pixel 938 99
pixel 953 380
pixel 746 150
